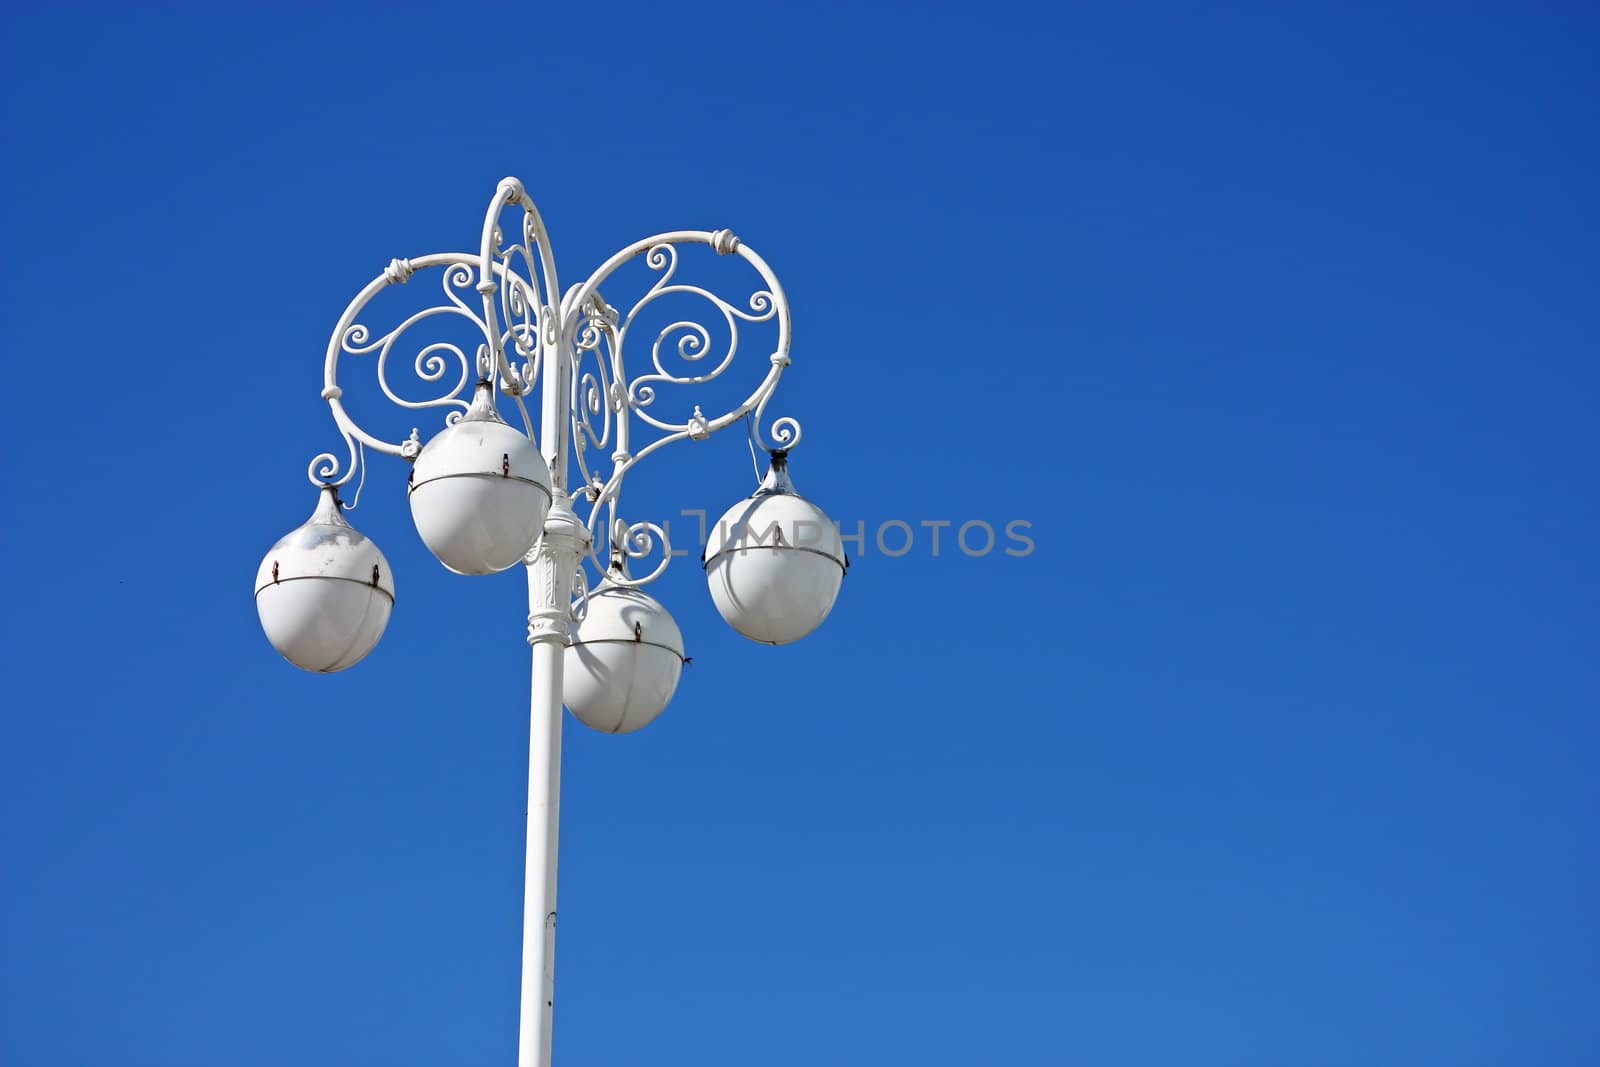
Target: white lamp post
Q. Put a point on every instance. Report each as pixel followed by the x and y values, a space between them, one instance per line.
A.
pixel 485 495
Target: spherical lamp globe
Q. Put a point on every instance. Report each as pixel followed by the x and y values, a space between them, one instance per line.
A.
pixel 623 661
pixel 324 592
pixel 479 491
pixel 774 562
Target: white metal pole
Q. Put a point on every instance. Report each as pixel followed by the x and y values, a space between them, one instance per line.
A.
pixel 550 580
pixel 551 570
pixel 544 814
pixel 550 576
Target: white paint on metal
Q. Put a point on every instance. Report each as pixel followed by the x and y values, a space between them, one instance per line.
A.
pixel 485 494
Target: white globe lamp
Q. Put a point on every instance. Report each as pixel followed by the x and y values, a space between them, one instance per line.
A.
pixel 774 562
pixel 622 662
pixel 479 491
pixel 324 592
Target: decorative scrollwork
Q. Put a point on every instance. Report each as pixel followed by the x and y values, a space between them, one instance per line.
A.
pixel 325 468
pixel 594 395
pixel 531 324
pixel 523 325
pixel 785 430
pixel 520 305
pixel 633 542
pixel 692 339
pixel 444 363
pixel 684 352
pixel 579 609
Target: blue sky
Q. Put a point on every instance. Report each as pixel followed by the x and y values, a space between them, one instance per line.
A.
pixel 1278 325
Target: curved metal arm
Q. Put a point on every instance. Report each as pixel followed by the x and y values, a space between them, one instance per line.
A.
pixel 495 261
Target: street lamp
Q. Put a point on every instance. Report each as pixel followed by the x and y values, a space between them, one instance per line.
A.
pixel 486 495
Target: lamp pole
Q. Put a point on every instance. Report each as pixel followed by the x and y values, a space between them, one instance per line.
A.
pixel 486 495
